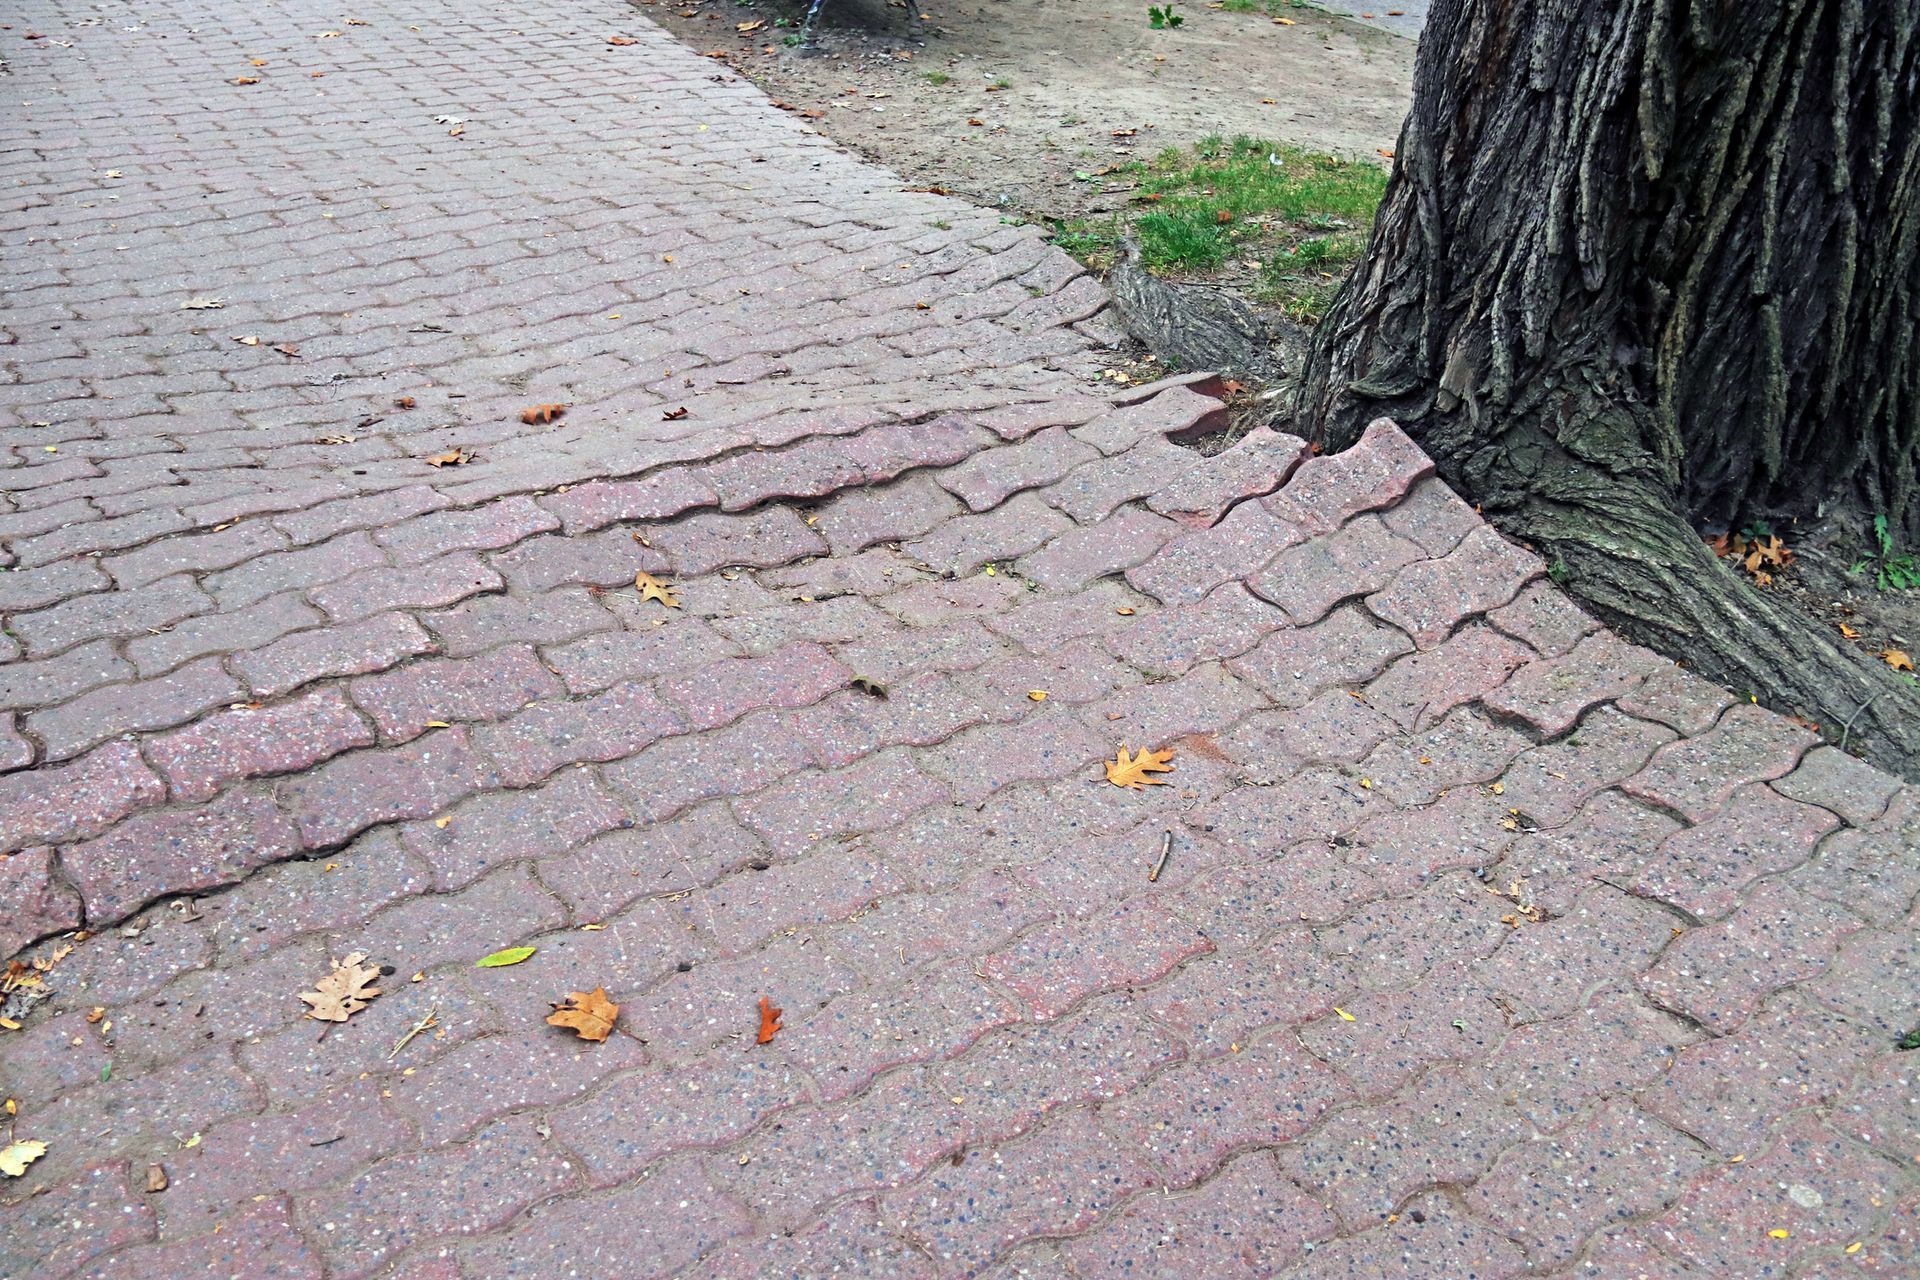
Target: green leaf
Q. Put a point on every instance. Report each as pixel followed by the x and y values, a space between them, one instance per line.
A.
pixel 500 959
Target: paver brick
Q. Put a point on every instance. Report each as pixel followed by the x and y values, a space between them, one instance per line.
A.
pixel 262 576
pixel 403 702
pixel 821 807
pixel 1133 944
pixel 39 901
pixel 907 508
pixel 412 1198
pixel 1375 473
pixel 1199 1113
pixel 1191 565
pixel 1678 699
pixel 354 649
pixel 1053 1182
pixel 723 691
pixel 1822 1191
pixel 598 877
pixel 1849 787
pixel 963 544
pixel 660 496
pixel 509 826
pixel 37 684
pixel 679 772
pixel 1310 578
pixel 546 618
pixel 260 1237
pixel 1448 1129
pixel 1728 1090
pixel 60 1232
pixel 1553 1072
pixel 253 626
pixel 1630 1165
pixel 1543 617
pixel 1428 599
pixel 764 539
pixel 1429 1236
pixel 1705 869
pixel 433 583
pixel 1720 974
pixel 197 553
pixel 247 741
pixel 988 479
pixel 1553 694
pixel 75 800
pixel 1419 689
pixel 1696 776
pixel 1434 516
pixel 177 851
pixel 69 729
pixel 609 657
pixel 485 528
pixel 347 795
pixel 1255 464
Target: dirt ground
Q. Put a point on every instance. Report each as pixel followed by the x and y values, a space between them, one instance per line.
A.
pixel 1003 103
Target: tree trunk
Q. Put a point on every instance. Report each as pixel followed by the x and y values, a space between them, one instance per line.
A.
pixel 1649 268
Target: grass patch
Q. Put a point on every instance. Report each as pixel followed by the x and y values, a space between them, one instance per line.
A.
pixel 1302 217
pixel 938 77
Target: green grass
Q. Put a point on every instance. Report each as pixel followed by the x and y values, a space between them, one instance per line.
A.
pixel 938 77
pixel 1303 216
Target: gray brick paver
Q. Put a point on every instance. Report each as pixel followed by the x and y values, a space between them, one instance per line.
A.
pixel 1434 930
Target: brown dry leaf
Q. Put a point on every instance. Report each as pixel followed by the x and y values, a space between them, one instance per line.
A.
pixel 589 1013
pixel 338 439
pixel 542 413
pixel 769 1021
pixel 622 40
pixel 1898 659
pixel 404 402
pixel 674 415
pixel 345 991
pixel 246 80
pixel 451 458
pixel 156 1179
pixel 975 121
pixel 246 340
pixel 744 27
pixel 1849 632
pixel 1722 545
pixel 651 588
pixel 1122 772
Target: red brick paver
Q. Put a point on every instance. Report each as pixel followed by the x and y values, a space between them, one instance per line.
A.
pixel 1486 943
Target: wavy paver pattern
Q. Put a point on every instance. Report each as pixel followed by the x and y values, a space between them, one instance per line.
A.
pixel 1484 945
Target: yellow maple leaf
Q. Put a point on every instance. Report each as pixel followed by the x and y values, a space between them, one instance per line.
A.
pixel 1122 772
pixel 18 1154
pixel 651 588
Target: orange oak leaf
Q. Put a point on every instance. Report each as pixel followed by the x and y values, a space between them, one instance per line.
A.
pixel 589 1013
pixel 651 588
pixel 1898 659
pixel 451 458
pixel 542 413
pixel 769 1021
pixel 621 40
pixel 1124 772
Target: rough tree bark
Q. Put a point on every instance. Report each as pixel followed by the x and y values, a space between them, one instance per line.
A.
pixel 1647 269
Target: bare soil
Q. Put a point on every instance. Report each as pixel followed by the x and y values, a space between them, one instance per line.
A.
pixel 1005 102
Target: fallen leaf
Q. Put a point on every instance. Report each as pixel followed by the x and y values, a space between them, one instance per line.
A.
pixel 1849 632
pixel 1897 659
pixel 542 413
pixel 501 959
pixel 404 402
pixel 246 80
pixel 869 686
pixel 769 1021
pixel 651 588
pixel 246 340
pixel 1385 151
pixel 198 303
pixel 1780 1233
pixel 975 122
pixel 1125 611
pixel 1285 22
pixel 156 1179
pixel 621 40
pixel 1122 772
pixel 1037 695
pixel 345 991
pixel 18 1154
pixel 451 458
pixel 755 25
pixel 674 415
pixel 589 1013
pixel 338 439
pixel 1344 1015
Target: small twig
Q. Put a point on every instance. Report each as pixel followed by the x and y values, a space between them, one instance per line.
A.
pixel 327 1142
pixel 1166 851
pixel 418 1027
pixel 1848 729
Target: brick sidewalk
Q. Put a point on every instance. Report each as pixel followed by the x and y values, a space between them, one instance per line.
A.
pixel 1487 944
